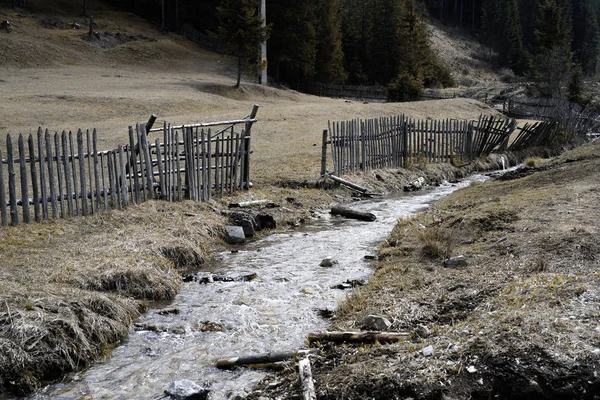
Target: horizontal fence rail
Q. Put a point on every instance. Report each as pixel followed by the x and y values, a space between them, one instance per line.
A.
pixel 63 175
pixel 393 142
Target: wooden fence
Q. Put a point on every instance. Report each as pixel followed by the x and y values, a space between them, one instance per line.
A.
pixel 362 92
pixel 64 175
pixel 361 145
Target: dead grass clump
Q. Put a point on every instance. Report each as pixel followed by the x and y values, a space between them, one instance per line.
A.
pixel 534 162
pixel 438 243
pixel 493 220
pixel 58 333
pixel 151 279
pixel 182 257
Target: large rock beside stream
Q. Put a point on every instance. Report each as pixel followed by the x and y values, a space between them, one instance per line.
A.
pixel 234 234
pixel 252 223
pixel 245 220
pixel 186 390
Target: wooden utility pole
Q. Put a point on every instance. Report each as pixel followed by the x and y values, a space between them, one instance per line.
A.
pixel 262 78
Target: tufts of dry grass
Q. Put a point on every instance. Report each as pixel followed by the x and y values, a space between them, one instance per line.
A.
pixel 438 243
pixel 57 331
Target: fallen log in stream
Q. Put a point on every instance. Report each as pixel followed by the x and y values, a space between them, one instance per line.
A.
pixel 357 337
pixel 306 380
pixel 354 214
pixel 261 359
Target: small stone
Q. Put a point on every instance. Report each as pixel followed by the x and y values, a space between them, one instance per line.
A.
pixel 455 262
pixel 427 351
pixel 471 369
pixel 328 262
pixel 415 185
pixel 234 234
pixel 423 331
pixel 210 326
pixel 186 390
pixel 375 323
pixel 178 331
pixel 306 291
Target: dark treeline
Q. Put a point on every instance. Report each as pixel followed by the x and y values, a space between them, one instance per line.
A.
pixel 544 39
pixel 370 42
pixel 385 42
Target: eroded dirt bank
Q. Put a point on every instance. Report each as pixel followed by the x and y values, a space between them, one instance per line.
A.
pixel 520 320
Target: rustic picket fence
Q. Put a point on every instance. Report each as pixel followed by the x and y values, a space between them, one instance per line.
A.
pixel 64 175
pixel 394 142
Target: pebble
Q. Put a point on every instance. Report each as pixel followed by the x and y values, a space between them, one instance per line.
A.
pixel 427 351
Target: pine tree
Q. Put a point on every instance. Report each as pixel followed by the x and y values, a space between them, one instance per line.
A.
pixel 552 63
pixel 501 27
pixel 330 55
pixel 241 31
pixel 586 35
pixel 293 41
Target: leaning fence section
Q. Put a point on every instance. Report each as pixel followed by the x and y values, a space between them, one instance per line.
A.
pixel 61 175
pixel 393 142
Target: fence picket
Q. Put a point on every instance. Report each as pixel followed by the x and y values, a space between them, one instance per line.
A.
pixel 59 175
pixel 44 192
pixel 51 181
pixel 96 174
pixel 23 176
pixel 161 171
pixel 89 168
pixel 74 170
pixel 82 175
pixel 209 158
pixel 34 180
pixel 12 190
pixel 3 213
pixel 104 187
pixel 68 183
pixel 178 167
pixel 123 177
pixel 117 184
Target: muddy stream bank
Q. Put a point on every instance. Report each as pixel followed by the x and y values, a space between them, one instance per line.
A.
pixel 274 312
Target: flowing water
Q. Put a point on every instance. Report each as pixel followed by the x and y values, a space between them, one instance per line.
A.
pixel 272 313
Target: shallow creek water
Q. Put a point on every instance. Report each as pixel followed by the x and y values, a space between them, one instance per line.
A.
pixel 272 313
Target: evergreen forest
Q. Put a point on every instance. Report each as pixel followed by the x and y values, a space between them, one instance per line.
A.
pixel 385 42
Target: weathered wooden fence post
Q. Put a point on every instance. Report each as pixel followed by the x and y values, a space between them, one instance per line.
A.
pixel 3 216
pixel 12 191
pixel 324 154
pixel 246 160
pixel 23 175
pixel 34 182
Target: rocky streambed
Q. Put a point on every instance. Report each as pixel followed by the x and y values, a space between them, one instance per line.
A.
pixel 288 293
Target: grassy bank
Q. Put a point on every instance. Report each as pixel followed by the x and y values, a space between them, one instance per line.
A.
pixel 520 320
